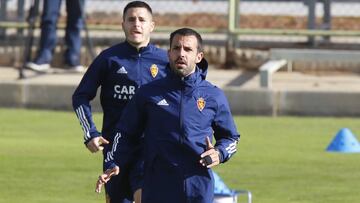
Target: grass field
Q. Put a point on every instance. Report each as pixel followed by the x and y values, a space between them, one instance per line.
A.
pixel 281 160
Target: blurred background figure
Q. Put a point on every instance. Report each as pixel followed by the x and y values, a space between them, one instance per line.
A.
pixel 48 39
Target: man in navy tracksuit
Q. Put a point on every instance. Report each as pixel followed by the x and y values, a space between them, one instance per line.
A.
pixel 120 71
pixel 178 115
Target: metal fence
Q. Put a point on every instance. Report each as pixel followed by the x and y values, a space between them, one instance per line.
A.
pixel 313 22
pixel 258 24
pixel 213 14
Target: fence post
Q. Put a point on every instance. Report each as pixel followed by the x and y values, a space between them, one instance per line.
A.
pixel 231 37
pixel 311 19
pixel 327 18
pixel 3 17
pixel 20 15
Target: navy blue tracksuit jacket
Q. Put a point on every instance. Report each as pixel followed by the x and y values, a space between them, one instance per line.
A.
pixel 119 70
pixel 176 115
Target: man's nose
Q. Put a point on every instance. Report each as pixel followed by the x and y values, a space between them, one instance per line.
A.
pixel 182 52
pixel 137 22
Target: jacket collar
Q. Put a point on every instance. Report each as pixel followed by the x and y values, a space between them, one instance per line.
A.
pixel 193 79
pixel 133 50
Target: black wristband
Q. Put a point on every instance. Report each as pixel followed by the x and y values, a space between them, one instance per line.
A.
pixel 208 160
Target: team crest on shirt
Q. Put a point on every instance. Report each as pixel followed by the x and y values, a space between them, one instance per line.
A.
pixel 154 70
pixel 201 103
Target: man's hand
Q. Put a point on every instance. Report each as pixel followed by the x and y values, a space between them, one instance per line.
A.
pixel 95 144
pixel 210 157
pixel 105 177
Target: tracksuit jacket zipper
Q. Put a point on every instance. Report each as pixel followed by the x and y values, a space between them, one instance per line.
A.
pixel 182 135
pixel 182 131
pixel 139 71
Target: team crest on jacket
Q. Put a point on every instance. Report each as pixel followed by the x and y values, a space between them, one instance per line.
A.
pixel 154 70
pixel 201 103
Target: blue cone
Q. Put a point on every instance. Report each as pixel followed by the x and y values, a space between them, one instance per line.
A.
pixel 344 142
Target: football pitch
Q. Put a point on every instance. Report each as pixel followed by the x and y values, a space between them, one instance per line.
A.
pixel 280 160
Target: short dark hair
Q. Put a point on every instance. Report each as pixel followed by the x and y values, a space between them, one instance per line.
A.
pixel 137 4
pixel 187 32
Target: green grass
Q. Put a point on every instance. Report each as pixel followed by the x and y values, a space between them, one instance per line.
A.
pixel 43 160
pixel 283 160
pixel 280 160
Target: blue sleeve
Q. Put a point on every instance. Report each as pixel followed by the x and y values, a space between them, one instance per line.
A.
pixel 128 134
pixel 84 93
pixel 225 131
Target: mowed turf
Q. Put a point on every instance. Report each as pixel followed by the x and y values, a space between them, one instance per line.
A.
pixel 280 160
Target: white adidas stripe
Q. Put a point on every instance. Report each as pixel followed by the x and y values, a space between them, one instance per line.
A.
pixel 87 124
pixel 80 119
pixel 116 141
pixel 232 151
pixel 231 148
pixel 83 122
pixel 80 116
pixel 231 145
pixel 83 112
pixel 110 155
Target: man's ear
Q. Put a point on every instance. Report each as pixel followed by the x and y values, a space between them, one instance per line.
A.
pixel 152 24
pixel 199 56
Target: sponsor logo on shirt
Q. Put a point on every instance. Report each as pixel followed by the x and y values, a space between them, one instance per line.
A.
pixel 124 92
pixel 201 103
pixel 154 70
